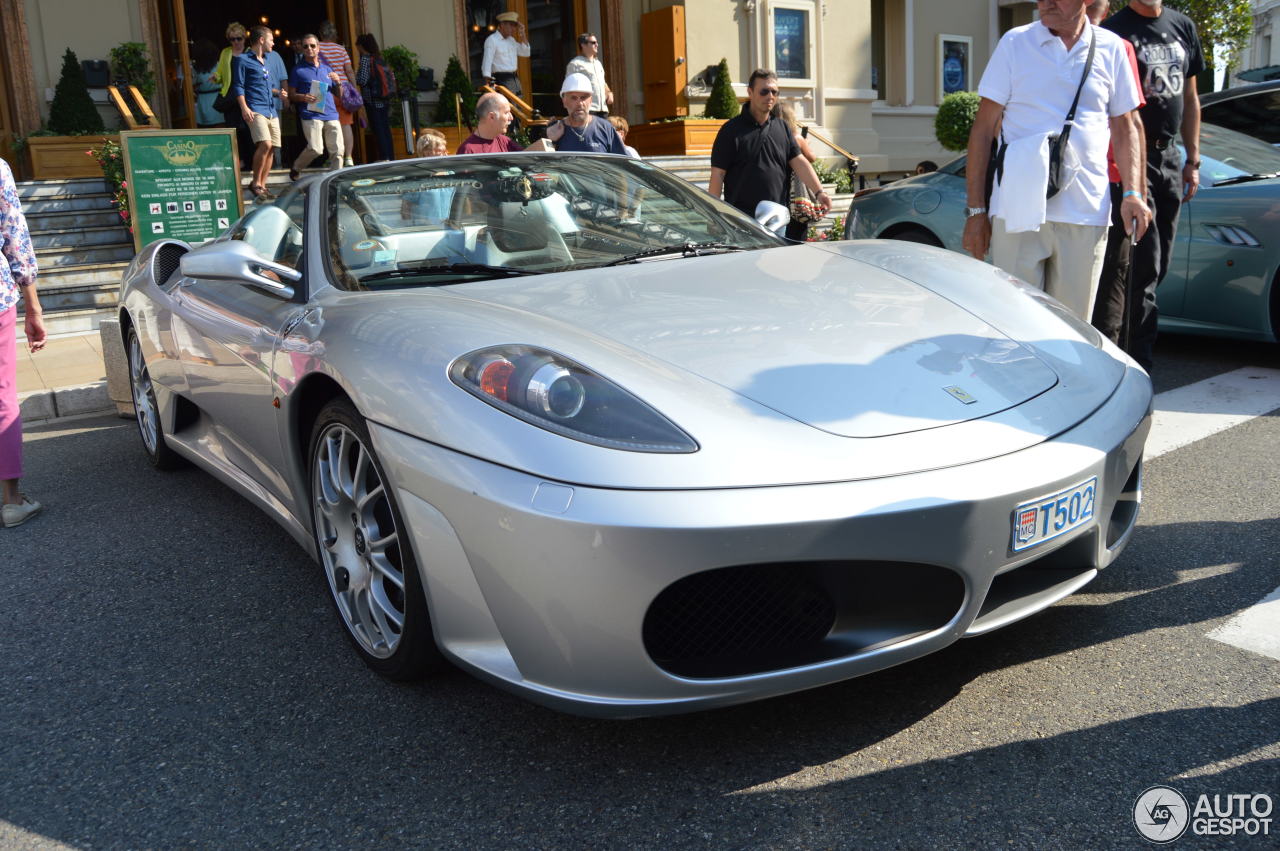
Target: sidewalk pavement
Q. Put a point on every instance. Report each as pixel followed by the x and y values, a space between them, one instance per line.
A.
pixel 66 378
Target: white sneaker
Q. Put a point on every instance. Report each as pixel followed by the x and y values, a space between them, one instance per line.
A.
pixel 349 161
pixel 16 515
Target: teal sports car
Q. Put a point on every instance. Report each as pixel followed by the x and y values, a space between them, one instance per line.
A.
pixel 1223 276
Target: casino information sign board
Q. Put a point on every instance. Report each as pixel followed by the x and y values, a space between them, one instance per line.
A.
pixel 182 184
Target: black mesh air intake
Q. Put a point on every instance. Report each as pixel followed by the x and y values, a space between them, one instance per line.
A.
pixel 166 261
pixel 736 620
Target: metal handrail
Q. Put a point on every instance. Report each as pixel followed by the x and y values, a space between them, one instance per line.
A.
pixel 523 111
pixel 128 111
pixel 833 146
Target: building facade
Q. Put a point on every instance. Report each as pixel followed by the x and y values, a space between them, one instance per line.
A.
pixel 867 73
pixel 1263 50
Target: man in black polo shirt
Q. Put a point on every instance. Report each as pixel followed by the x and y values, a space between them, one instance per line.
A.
pixel 754 153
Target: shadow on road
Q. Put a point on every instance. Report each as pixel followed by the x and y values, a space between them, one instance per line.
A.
pixel 174 676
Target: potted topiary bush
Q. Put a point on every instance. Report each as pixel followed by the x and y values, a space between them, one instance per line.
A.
pixel 59 152
pixel 722 103
pixel 690 136
pixel 955 119
pixel 456 82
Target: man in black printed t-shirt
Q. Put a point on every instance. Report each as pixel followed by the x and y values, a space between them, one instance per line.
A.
pixel 1169 58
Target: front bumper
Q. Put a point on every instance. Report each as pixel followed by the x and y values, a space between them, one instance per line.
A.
pixel 544 588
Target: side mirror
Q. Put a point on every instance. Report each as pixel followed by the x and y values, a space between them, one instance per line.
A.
pixel 237 262
pixel 773 217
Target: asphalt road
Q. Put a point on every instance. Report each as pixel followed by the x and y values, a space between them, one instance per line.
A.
pixel 172 675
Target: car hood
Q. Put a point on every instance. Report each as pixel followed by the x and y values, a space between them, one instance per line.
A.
pixel 838 344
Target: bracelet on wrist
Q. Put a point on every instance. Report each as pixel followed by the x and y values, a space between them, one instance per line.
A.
pixel 1131 193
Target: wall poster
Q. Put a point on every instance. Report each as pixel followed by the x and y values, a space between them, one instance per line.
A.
pixel 791 43
pixel 955 64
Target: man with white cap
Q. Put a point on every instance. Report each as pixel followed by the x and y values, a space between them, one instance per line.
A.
pixel 582 131
pixel 502 51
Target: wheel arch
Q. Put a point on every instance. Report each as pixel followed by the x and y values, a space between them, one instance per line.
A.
pixel 308 400
pixel 895 231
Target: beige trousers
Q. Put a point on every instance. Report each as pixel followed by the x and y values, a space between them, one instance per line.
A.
pixel 1063 260
pixel 316 133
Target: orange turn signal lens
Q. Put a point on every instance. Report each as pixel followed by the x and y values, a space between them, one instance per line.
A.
pixel 495 378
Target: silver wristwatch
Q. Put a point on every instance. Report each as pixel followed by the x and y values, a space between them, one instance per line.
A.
pixel 970 212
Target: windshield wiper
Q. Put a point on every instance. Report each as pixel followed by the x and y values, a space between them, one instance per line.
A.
pixel 1246 178
pixel 449 269
pixel 688 249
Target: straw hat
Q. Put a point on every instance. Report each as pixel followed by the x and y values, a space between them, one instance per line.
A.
pixel 508 18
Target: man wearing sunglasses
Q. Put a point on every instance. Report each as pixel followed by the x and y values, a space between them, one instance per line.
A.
pixel 587 63
pixel 755 153
pixel 309 86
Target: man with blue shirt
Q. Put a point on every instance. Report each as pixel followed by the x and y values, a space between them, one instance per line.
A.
pixel 582 131
pixel 251 90
pixel 309 86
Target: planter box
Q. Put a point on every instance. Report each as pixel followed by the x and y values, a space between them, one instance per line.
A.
pixel 63 157
pixel 675 138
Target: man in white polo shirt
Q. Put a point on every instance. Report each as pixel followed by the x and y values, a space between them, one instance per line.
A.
pixel 1027 91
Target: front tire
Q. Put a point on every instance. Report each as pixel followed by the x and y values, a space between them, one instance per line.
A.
pixel 364 549
pixel 146 412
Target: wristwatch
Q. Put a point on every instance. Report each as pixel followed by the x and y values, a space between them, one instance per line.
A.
pixel 970 212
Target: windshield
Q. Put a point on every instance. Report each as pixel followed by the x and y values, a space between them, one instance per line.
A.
pixel 1255 114
pixel 1227 154
pixel 454 219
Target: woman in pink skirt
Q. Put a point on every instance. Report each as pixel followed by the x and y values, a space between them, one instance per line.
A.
pixel 17 280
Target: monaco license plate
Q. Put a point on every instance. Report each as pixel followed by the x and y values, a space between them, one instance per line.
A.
pixel 1044 519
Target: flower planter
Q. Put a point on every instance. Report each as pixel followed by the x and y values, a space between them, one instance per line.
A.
pixel 675 138
pixel 64 157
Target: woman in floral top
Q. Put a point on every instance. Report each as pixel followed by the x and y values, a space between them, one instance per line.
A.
pixel 17 280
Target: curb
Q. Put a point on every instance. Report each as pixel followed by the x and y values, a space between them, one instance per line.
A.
pixel 37 406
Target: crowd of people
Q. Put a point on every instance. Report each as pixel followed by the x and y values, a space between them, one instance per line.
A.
pixel 249 87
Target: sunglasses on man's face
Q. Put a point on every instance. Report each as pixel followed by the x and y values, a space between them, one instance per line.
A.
pixel 765 93
pixel 236 38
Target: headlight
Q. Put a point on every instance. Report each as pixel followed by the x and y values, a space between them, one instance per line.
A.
pixel 554 393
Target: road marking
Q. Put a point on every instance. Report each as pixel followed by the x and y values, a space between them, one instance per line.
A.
pixel 1256 629
pixel 1187 414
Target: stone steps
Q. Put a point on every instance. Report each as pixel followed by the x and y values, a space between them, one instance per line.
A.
pixel 80 236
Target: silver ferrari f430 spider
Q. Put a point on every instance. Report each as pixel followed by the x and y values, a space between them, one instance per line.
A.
pixel 573 425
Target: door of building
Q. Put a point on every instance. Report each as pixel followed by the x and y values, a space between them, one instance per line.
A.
pixel 184 23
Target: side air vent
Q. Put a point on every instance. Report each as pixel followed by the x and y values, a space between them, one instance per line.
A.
pixel 1232 235
pixel 165 262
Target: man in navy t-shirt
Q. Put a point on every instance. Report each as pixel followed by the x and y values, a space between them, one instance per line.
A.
pixel 582 131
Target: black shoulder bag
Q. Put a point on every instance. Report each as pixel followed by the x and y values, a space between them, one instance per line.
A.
pixel 1058 141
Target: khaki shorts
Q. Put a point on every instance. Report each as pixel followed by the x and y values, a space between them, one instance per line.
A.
pixel 263 129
